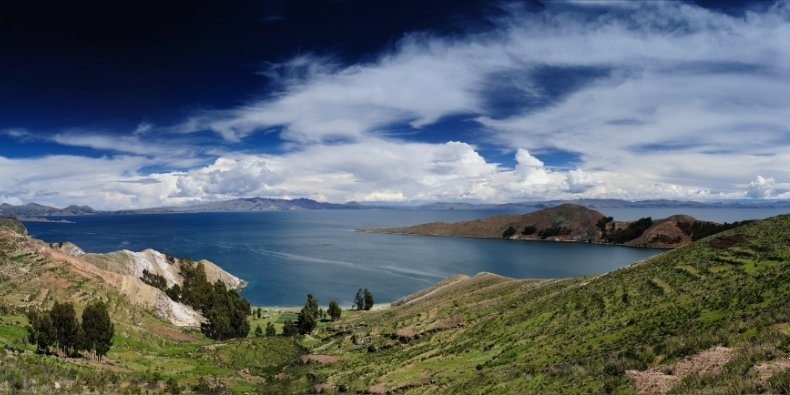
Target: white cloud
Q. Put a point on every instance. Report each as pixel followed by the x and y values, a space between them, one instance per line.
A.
pixel 681 102
pixel 761 188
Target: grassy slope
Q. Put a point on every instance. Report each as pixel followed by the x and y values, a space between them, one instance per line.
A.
pixel 146 351
pixel 579 334
pixel 482 334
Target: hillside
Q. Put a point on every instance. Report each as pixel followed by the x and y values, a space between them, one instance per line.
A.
pixel 568 222
pixel 711 317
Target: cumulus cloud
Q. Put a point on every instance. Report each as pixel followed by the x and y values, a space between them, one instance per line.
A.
pixel 761 188
pixel 657 100
pixel 650 93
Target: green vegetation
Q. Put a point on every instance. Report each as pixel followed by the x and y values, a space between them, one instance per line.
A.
pixel 490 334
pixel 510 231
pixel 154 280
pixel 553 231
pixel 225 310
pixel 529 230
pixel 59 328
pixel 334 310
pixel 631 232
pixel 702 229
pixel 308 316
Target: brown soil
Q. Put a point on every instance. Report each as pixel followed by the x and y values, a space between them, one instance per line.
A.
pixel 379 389
pixel 172 333
pixel 727 241
pixel 322 388
pixel 660 379
pixel 318 358
pixel 771 368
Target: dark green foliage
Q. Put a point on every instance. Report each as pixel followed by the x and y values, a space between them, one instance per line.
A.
pixel 258 331
pixel 662 238
pixel 258 313
pixel 634 230
pixel 601 224
pixel 66 325
pixel 41 332
pixel 290 328
pixel 529 230
pixel 308 316
pixel 359 300
pixel 226 313
pixel 174 292
pixel 196 290
pixel 368 297
pixel 270 331
pixel 154 280
pixel 98 330
pixel 334 310
pixel 702 229
pixel 510 231
pixel 555 230
pixel 225 310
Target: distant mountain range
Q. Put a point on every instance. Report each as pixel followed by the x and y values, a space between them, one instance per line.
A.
pixel 33 210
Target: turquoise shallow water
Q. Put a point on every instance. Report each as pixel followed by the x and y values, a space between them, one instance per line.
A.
pixel 285 255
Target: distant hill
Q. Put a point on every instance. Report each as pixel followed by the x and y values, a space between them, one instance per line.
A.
pixel 37 210
pixel 32 211
pixel 248 204
pixel 571 222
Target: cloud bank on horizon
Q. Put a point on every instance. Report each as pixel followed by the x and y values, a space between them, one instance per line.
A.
pixel 581 100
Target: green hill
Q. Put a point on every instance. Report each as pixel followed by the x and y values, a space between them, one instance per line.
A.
pixel 711 317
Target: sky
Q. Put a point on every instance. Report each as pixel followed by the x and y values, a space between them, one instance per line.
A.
pixel 132 104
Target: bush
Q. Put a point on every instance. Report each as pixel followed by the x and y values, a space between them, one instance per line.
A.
pixel 634 230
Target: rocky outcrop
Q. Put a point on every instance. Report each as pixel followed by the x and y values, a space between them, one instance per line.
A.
pixel 123 271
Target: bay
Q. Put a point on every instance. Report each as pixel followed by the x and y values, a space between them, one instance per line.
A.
pixel 286 254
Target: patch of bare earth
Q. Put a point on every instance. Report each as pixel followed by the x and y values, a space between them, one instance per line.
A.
pixel 660 379
pixel 379 389
pixel 318 358
pixel 769 369
pixel 172 333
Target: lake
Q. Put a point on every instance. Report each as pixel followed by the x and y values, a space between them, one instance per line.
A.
pixel 286 254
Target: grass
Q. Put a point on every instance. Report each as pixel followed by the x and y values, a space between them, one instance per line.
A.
pixel 485 334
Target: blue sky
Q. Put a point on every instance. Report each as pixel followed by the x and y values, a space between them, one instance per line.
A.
pixel 136 104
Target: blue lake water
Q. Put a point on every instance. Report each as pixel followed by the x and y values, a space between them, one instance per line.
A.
pixel 285 255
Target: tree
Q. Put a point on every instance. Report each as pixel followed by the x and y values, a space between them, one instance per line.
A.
pixel 64 321
pixel 258 331
pixel 40 331
pixel 258 313
pixel 368 299
pixel 226 313
pixel 98 328
pixel 270 331
pixel 290 328
pixel 174 292
pixel 359 300
pixel 308 316
pixel 334 310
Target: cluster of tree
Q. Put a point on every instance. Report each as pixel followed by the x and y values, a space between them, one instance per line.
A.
pixel 702 229
pixel 631 232
pixel 363 300
pixel 60 329
pixel 224 309
pixel 529 230
pixel 154 280
pixel 510 231
pixel 554 230
pixel 270 330
pixel 602 225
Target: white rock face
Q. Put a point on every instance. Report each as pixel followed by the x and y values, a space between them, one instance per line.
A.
pixel 178 314
pixel 156 263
